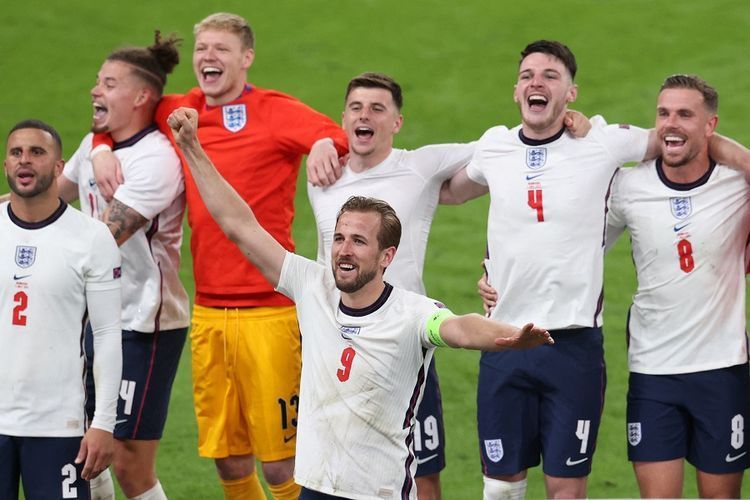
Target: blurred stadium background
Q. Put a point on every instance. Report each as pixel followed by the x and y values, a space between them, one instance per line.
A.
pixel 457 64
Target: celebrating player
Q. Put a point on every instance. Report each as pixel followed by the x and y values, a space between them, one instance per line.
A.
pixel 689 219
pixel 52 280
pixel 366 343
pixel 245 337
pixel 145 217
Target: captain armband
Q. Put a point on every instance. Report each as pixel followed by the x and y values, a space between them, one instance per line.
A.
pixel 433 327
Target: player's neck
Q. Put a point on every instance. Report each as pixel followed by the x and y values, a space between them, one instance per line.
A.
pixel 36 208
pixel 689 172
pixel 360 163
pixel 136 124
pixel 226 97
pixel 365 296
pixel 540 133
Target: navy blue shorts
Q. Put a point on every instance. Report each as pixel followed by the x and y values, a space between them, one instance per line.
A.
pixel 45 466
pixel 546 402
pixel 429 433
pixel 698 416
pixel 149 365
pixel 307 494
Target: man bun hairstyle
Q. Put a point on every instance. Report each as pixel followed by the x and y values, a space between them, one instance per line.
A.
pixel 152 63
pixel 556 49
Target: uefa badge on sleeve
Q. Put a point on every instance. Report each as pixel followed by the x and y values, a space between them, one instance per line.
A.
pixel 235 117
pixel 634 433
pixel 25 256
pixel 494 449
pixel 536 157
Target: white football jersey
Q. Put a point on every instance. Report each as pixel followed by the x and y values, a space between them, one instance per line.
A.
pixel 46 270
pixel 688 244
pixel 410 182
pixel 152 294
pixel 363 373
pixel 545 230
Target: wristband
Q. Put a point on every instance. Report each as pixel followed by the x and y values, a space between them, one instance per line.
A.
pixel 99 149
pixel 433 327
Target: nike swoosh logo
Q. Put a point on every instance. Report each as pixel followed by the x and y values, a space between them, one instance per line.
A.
pixel 17 277
pixel 571 463
pixel 289 438
pixel 121 421
pixel 421 461
pixel 534 176
pixel 730 458
pixel 677 228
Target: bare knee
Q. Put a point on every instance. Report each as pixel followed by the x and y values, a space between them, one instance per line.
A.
pixel 428 487
pixel 235 466
pixel 565 487
pixel 134 465
pixel 279 471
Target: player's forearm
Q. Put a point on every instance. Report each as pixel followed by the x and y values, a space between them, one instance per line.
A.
pixel 729 152
pixel 472 331
pixel 104 308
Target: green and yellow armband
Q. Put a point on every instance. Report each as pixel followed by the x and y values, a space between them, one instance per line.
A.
pixel 433 327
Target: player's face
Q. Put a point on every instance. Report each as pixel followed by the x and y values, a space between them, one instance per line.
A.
pixel 683 125
pixel 370 120
pixel 543 91
pixel 115 97
pixel 220 64
pixel 356 257
pixel 32 162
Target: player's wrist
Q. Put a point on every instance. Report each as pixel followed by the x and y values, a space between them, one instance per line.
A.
pixel 99 149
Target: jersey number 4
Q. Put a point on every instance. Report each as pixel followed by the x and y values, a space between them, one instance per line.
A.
pixel 535 202
pixel 21 300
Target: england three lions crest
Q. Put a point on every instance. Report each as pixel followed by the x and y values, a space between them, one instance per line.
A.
pixel 494 449
pixel 634 433
pixel 536 157
pixel 235 117
pixel 25 256
pixel 682 207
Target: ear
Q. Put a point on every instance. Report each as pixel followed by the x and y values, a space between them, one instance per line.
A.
pixel 572 93
pixel 247 59
pixel 143 97
pixel 398 124
pixel 515 93
pixel 59 166
pixel 711 125
pixel 386 257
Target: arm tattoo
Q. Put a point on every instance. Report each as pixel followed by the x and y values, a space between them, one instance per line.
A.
pixel 122 220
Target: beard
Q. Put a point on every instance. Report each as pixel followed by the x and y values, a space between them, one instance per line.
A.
pixel 361 280
pixel 43 183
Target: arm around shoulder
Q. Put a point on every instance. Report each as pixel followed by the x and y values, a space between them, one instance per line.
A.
pixel 460 188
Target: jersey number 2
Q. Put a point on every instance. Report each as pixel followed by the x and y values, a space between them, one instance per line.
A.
pixel 22 301
pixel 347 356
pixel 535 202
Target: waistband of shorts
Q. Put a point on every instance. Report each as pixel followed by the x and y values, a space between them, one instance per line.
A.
pixel 212 313
pixel 574 332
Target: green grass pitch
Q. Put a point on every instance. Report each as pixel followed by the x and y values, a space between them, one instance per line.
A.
pixel 457 63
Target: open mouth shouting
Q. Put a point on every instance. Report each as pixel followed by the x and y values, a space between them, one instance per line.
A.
pixel 537 102
pixel 210 74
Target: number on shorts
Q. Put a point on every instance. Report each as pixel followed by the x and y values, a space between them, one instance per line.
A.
pixel 738 431
pixel 347 356
pixel 285 421
pixel 127 393
pixel 535 202
pixel 69 478
pixel 22 302
pixel 429 429
pixel 582 433
pixel 685 252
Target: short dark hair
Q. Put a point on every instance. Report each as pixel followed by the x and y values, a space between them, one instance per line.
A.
pixel 694 82
pixel 372 80
pixel 555 49
pixel 389 234
pixel 152 63
pixel 40 125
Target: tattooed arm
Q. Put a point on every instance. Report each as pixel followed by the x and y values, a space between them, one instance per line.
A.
pixel 122 220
